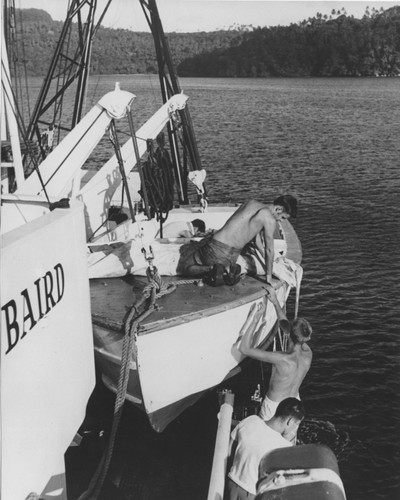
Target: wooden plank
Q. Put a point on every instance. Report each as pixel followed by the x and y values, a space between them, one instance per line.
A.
pixel 113 297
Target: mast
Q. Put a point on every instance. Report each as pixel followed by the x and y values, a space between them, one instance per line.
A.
pixel 70 63
pixel 9 122
pixel 170 86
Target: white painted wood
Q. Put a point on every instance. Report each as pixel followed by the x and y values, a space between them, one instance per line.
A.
pixel 180 361
pixel 47 374
pixel 59 168
pixel 98 193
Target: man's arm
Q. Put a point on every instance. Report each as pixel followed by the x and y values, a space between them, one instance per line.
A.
pixel 233 442
pixel 267 249
pixel 248 331
pixel 231 451
pixel 283 321
pixel 269 254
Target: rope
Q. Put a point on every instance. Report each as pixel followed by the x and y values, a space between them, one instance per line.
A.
pixel 155 289
pixel 285 337
pixel 187 282
pixel 158 179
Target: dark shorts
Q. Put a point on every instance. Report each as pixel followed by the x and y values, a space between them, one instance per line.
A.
pixel 206 252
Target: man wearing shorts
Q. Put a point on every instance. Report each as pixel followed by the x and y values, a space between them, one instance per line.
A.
pixel 289 368
pixel 252 221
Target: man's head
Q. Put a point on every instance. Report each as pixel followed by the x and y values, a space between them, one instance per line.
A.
pixel 199 226
pixel 286 205
pixel 300 331
pixel 290 413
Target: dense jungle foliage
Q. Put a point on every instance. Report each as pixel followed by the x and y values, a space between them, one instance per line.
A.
pixel 115 51
pixel 338 45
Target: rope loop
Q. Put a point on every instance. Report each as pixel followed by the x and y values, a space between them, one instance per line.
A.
pixel 138 312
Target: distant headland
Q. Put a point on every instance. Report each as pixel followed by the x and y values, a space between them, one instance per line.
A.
pixel 337 45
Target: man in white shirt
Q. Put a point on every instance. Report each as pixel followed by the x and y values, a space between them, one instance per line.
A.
pixel 254 438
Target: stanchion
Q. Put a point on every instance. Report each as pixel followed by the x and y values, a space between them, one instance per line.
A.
pixel 221 450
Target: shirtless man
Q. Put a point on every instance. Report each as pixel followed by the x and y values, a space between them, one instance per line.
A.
pixel 251 221
pixel 289 368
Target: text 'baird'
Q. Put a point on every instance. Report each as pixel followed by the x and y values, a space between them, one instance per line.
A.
pixel 33 303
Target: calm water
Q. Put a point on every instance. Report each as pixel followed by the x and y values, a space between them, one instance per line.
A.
pixel 335 144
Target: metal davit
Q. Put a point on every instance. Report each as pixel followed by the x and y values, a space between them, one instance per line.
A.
pixel 70 63
pixel 170 86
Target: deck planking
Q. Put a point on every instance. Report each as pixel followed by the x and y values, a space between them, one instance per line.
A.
pixel 112 297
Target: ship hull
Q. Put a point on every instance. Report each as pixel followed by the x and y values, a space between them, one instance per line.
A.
pixel 189 343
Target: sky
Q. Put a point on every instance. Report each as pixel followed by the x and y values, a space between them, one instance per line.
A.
pixel 210 15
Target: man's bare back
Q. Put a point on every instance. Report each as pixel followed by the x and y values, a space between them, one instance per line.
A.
pixel 248 220
pixel 289 368
pixel 288 374
pixel 252 221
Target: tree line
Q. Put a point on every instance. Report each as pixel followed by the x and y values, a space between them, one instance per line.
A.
pixel 338 45
pixel 115 51
pixel 335 45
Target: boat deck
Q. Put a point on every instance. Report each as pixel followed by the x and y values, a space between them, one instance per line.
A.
pixel 112 298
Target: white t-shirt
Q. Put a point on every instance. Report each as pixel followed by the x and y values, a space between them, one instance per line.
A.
pixel 254 439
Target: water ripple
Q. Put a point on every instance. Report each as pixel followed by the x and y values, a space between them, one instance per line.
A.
pixel 334 143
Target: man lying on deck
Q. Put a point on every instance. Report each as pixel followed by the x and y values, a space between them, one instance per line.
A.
pixel 183 229
pixel 252 221
pixel 289 368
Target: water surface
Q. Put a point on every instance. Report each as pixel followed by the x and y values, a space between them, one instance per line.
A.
pixel 333 143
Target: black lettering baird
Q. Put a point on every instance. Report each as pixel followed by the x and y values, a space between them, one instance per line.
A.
pixel 33 304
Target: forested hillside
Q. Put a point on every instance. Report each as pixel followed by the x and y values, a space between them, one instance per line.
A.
pixel 338 45
pixel 115 51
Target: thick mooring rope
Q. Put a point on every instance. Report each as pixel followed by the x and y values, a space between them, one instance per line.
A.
pixel 155 289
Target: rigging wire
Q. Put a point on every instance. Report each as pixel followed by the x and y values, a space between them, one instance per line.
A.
pixel 21 62
pixel 58 106
pixel 15 42
pixel 20 124
pixel 117 149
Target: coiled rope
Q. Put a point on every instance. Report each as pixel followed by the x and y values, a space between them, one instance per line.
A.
pixel 158 180
pixel 147 304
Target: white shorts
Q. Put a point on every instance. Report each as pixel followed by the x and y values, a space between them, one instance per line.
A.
pixel 268 408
